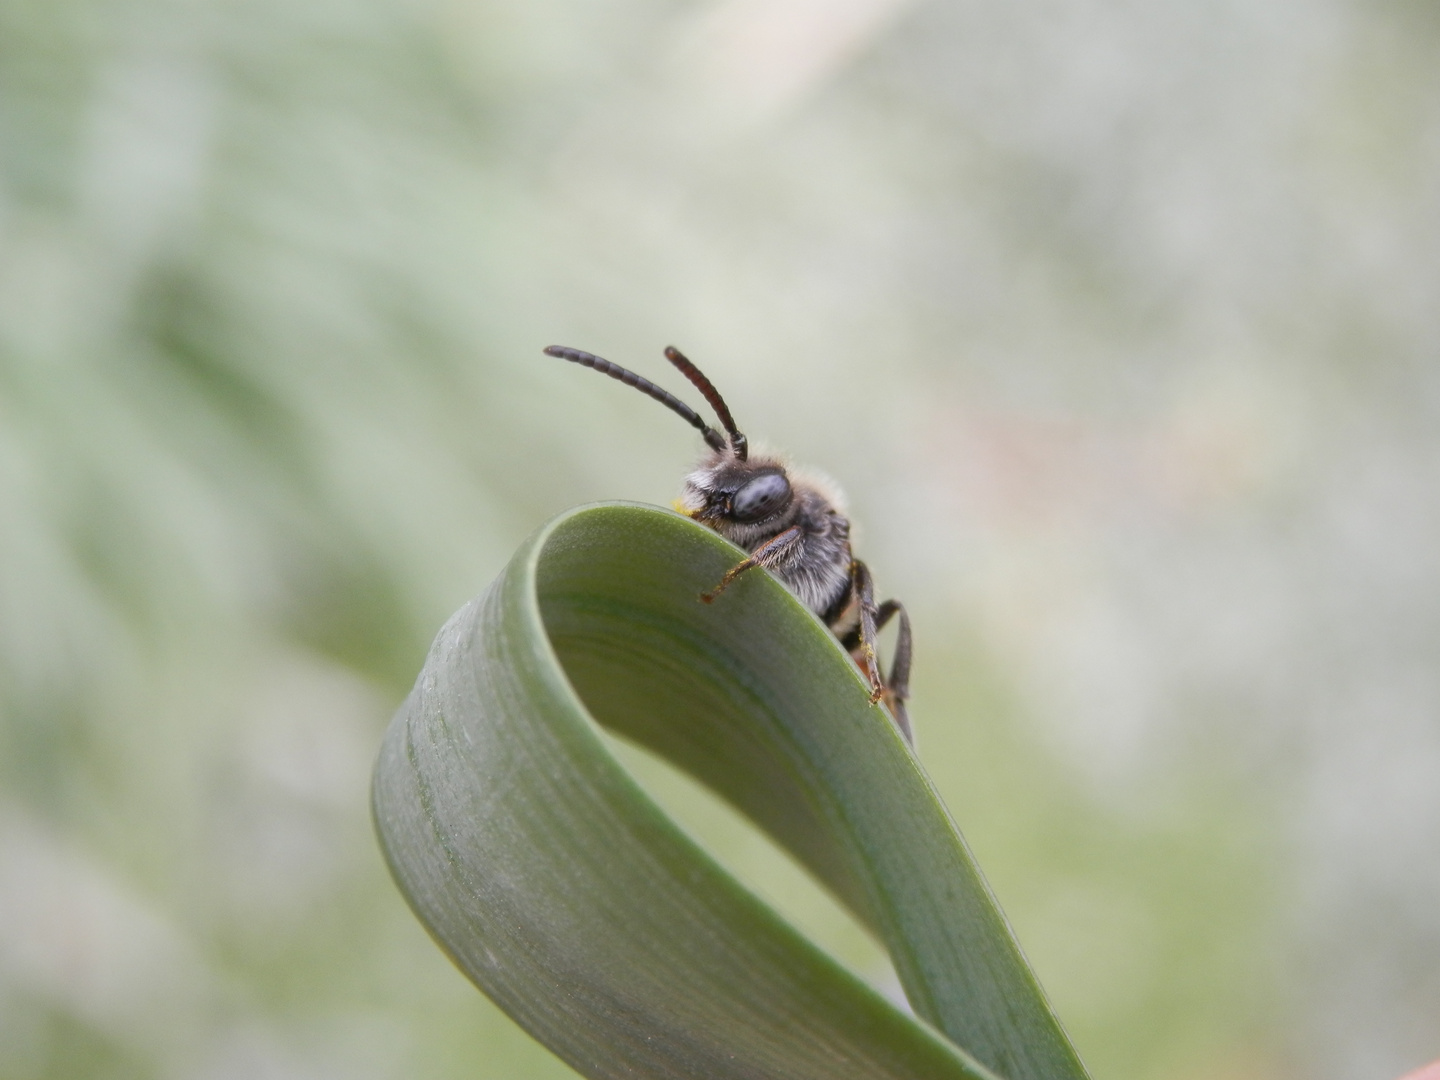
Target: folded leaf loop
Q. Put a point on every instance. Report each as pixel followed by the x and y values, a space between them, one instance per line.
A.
pixel 571 899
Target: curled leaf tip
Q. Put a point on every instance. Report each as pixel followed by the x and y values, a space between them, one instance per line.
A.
pixel 560 888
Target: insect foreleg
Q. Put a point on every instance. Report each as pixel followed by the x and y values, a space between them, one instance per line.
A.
pixel 767 555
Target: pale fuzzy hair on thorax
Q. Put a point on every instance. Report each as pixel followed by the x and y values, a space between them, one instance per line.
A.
pixel 823 483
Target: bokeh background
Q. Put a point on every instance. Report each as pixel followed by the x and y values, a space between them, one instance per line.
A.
pixel 1119 323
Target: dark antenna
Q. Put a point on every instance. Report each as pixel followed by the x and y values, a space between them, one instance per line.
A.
pixel 738 442
pixel 712 437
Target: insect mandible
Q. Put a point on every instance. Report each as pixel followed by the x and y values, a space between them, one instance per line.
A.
pixel 790 523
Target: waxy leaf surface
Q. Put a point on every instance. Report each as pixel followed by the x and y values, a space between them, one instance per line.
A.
pixel 559 886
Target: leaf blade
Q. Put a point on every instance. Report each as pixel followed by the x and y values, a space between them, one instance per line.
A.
pixel 560 888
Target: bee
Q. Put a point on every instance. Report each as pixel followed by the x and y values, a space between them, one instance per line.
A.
pixel 791 524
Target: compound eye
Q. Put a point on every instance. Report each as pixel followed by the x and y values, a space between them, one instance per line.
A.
pixel 760 498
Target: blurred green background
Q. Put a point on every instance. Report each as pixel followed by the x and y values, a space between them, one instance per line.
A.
pixel 1119 323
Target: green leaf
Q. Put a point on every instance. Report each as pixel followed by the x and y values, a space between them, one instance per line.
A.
pixel 568 896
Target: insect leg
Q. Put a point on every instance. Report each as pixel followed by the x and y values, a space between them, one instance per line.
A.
pixel 897 687
pixel 864 589
pixel 766 555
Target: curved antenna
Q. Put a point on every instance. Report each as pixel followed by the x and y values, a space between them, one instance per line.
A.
pixel 738 442
pixel 712 437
